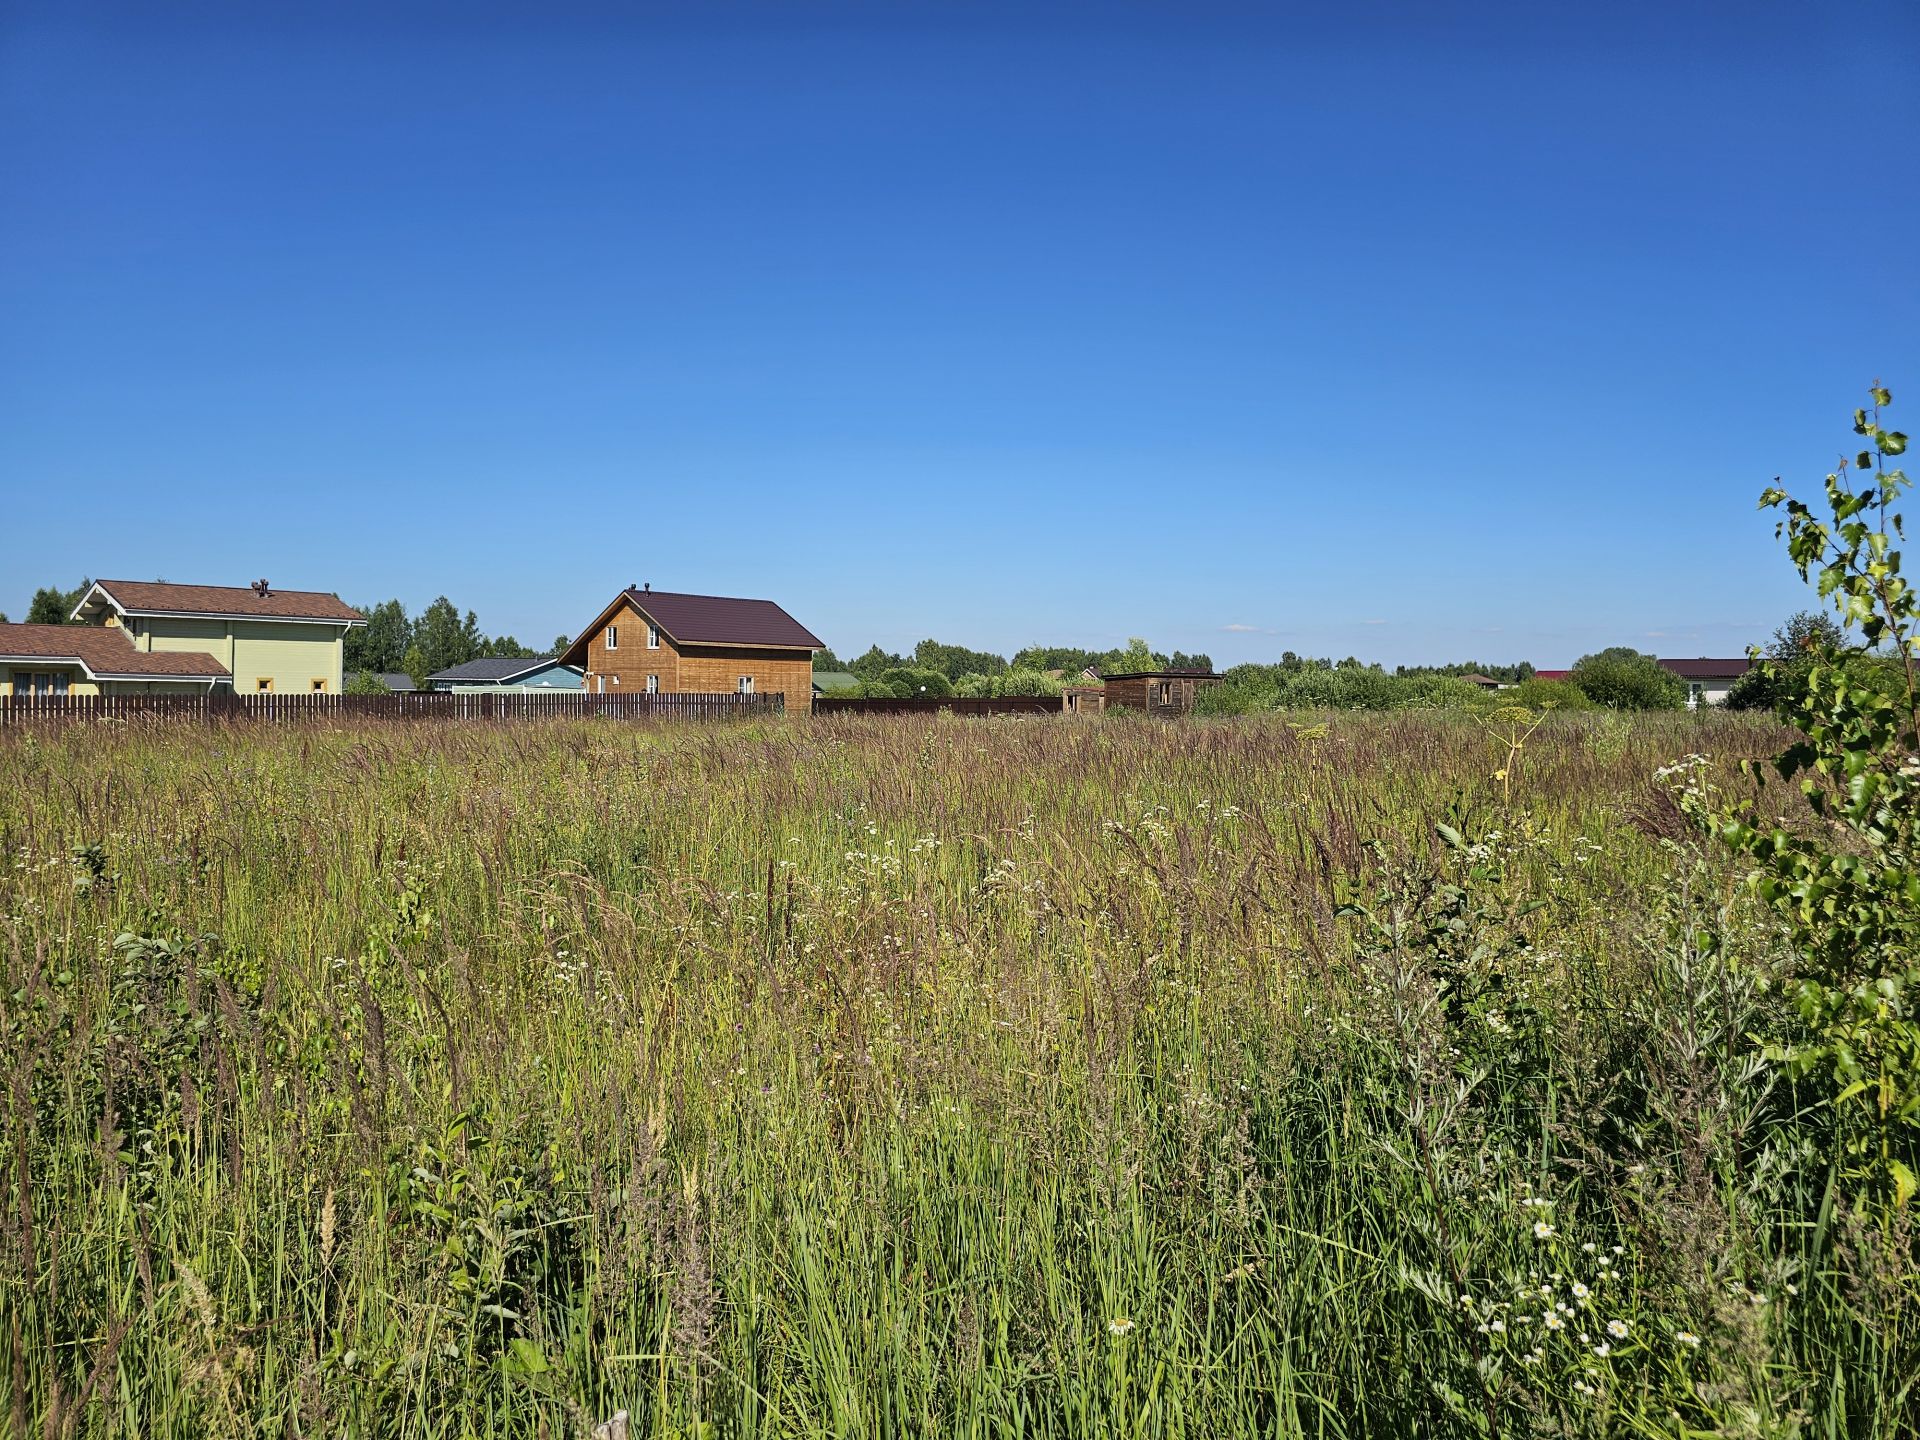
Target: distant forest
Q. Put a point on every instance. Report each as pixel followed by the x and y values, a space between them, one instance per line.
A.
pixel 956 662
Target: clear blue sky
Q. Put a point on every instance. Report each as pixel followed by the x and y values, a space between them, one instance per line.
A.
pixel 1380 332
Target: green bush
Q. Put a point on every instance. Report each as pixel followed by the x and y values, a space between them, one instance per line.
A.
pixel 976 686
pixel 907 684
pixel 1846 888
pixel 1537 694
pixel 1620 678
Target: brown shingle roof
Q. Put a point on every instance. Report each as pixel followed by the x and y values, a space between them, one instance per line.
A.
pixel 146 597
pixel 104 650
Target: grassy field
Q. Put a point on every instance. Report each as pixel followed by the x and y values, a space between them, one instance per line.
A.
pixel 911 1077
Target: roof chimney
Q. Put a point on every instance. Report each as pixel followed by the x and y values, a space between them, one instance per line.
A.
pixel 260 589
pixel 649 587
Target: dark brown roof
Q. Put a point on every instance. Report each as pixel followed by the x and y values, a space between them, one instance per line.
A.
pixel 104 650
pixel 704 620
pixel 1164 675
pixel 721 620
pixel 1476 678
pixel 149 597
pixel 1705 669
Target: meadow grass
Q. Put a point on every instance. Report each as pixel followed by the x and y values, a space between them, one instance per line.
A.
pixel 910 1077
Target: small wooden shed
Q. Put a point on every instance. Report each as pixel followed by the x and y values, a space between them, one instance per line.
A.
pixel 1159 692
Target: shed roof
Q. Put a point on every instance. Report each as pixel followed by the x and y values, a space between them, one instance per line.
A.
pixel 1164 675
pixel 158 597
pixel 495 669
pixel 105 651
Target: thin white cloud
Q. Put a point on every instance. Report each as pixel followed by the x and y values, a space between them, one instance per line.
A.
pixel 1238 629
pixel 1373 622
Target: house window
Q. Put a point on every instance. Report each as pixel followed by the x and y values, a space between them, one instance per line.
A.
pixel 1696 693
pixel 745 687
pixel 653 637
pixel 39 682
pixel 613 637
pixel 653 684
pixel 263 685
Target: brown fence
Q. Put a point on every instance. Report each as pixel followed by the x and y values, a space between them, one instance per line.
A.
pixel 1003 705
pixel 486 705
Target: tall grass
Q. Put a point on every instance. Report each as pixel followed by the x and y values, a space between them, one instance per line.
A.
pixel 883 1077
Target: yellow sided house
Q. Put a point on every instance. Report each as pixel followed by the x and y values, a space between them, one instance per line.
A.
pixel 265 640
pixel 58 660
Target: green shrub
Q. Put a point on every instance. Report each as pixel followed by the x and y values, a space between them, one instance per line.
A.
pixel 1537 694
pixel 1623 679
pixel 1847 886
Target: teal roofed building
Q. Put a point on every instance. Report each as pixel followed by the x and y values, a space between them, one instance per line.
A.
pixel 543 672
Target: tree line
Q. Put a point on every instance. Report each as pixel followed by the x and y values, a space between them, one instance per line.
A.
pixel 437 639
pixel 940 670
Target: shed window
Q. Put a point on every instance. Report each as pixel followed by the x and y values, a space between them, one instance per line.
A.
pixel 319 687
pixel 264 685
pixel 613 637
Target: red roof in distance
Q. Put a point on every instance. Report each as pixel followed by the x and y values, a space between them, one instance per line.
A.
pixel 1705 669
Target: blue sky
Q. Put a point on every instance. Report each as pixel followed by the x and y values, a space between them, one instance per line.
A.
pixel 1421 333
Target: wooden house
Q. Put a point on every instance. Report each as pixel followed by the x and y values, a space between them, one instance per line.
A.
pixel 649 641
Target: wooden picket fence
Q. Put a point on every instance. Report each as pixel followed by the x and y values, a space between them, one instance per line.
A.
pixel 884 705
pixel 501 705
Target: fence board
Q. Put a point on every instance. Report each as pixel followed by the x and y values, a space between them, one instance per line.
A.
pixel 483 706
pixel 883 705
